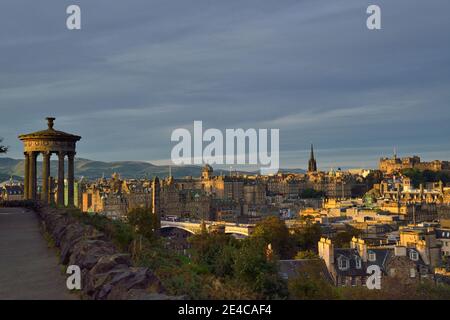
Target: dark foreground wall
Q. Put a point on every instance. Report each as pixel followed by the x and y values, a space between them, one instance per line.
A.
pixel 106 273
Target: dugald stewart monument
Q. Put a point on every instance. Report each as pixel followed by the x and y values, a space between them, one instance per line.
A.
pixel 46 143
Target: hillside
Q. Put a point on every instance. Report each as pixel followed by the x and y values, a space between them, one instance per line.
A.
pixel 95 169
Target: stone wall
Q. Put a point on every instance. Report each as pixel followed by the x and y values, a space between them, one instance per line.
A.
pixel 107 274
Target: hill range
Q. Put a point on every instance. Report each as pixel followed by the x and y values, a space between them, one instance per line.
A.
pixel 92 170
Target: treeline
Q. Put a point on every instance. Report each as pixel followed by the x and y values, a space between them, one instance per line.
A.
pixel 423 176
pixel 218 266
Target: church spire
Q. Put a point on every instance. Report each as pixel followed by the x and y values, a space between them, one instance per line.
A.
pixel 312 165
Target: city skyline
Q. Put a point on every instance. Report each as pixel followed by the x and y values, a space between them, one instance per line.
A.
pixel 129 78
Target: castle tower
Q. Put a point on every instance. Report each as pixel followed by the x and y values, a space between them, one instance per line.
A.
pixel 312 165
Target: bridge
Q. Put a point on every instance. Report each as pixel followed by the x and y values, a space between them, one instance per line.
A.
pixel 195 227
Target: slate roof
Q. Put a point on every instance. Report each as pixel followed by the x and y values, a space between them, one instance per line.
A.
pixel 351 255
pixel 381 257
pixel 289 269
pixel 420 261
pixel 49 134
pixel 443 233
pixel 13 190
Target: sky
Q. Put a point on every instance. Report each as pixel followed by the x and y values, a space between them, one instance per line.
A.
pixel 138 69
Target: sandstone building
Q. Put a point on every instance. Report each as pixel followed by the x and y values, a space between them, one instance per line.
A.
pixel 395 164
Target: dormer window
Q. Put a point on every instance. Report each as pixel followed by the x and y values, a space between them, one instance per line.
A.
pixel 343 263
pixel 413 255
pixel 358 262
pixel 372 256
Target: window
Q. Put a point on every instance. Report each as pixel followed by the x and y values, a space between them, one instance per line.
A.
pixel 413 255
pixel 343 263
pixel 372 256
pixel 358 262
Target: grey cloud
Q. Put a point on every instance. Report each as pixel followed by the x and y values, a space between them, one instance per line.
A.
pixel 140 69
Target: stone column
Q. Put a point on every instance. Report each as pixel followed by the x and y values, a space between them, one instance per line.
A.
pixel 51 194
pixel 26 191
pixel 71 179
pixel 60 194
pixel 32 175
pixel 45 176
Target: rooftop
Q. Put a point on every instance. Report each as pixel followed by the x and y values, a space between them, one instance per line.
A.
pixel 50 133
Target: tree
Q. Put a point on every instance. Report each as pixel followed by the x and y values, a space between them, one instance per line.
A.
pixel 252 268
pixel 143 221
pixel 310 284
pixel 307 236
pixel 421 177
pixel 273 231
pixel 3 149
pixel 242 264
pixel 311 194
pixel 308 254
pixel 215 252
pixel 343 239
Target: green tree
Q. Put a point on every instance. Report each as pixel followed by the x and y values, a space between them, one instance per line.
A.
pixel 343 239
pixel 310 284
pixel 308 254
pixel 421 177
pixel 311 194
pixel 274 231
pixel 143 222
pixel 307 236
pixel 252 268
pixel 215 252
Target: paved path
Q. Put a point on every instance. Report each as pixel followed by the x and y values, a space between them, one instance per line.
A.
pixel 29 269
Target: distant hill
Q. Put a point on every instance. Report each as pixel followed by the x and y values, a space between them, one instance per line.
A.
pixel 95 169
pixel 292 171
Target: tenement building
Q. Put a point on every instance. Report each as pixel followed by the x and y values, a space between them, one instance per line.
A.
pixel 115 197
pixel 407 261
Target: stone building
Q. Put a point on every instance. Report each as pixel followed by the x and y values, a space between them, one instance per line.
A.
pixel 286 185
pixel 395 164
pixel 411 212
pixel 11 192
pixel 443 236
pixel 115 197
pixel 181 198
pixel 348 266
pixel 424 241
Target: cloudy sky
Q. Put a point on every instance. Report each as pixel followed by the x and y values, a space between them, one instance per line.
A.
pixel 139 69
